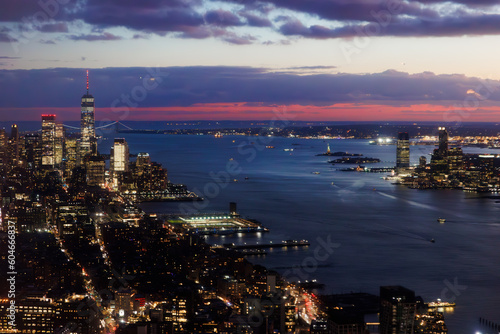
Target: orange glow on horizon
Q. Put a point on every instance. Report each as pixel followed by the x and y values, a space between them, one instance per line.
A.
pixel 357 112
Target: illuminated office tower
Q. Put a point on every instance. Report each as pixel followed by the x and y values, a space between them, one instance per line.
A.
pixel 32 151
pixel 14 144
pixel 59 144
pixel 119 156
pixel 88 144
pixel 48 140
pixel 143 162
pixel 443 141
pixel 403 152
pixel 96 168
pixel 70 153
pixel 3 149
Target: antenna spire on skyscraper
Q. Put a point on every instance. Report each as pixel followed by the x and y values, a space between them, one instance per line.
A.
pixel 87 82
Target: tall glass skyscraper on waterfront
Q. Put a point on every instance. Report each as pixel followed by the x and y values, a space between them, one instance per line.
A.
pixel 403 152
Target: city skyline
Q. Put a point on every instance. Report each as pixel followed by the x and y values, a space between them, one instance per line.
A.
pixel 249 166
pixel 222 60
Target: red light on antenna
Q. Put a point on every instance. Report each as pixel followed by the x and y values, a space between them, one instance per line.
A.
pixel 87 81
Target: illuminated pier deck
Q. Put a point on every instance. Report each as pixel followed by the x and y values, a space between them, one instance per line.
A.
pixel 217 224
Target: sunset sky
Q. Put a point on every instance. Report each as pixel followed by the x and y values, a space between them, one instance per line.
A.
pixel 328 60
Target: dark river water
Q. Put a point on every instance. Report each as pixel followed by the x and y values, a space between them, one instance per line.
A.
pixel 379 233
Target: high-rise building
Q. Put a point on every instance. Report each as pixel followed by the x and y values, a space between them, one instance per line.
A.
pixel 58 144
pixel 96 168
pixel 443 141
pixel 48 140
pixel 119 159
pixel 88 144
pixel 14 143
pixel 14 132
pixel 439 159
pixel 397 310
pixel 3 149
pixel 119 156
pixel 422 161
pixel 43 315
pixel 70 153
pixel 233 210
pixel 455 160
pixel 403 152
pixel 142 163
pixel 32 151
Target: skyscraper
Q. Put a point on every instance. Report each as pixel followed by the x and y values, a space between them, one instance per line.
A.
pixel 119 156
pixel 32 151
pixel 14 143
pixel 48 140
pixel 96 167
pixel 443 141
pixel 143 162
pixel 403 152
pixel 422 161
pixel 59 144
pixel 119 159
pixel 3 149
pixel 88 144
pixel 71 155
pixel 397 310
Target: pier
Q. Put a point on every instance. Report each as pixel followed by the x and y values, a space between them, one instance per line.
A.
pixel 287 243
pixel 215 224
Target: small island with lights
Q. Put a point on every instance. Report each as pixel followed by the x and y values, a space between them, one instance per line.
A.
pixel 355 160
pixel 328 153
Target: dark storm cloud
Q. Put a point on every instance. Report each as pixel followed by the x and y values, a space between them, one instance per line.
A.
pixel 222 18
pixel 191 19
pixel 159 21
pixel 39 10
pixel 185 86
pixel 448 26
pixel 351 10
pixel 106 36
pixel 16 10
pixel 463 2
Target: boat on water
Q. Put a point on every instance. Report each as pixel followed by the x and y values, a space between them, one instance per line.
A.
pixel 439 303
pixel 316 172
pixel 441 220
pixel 433 241
pixel 295 242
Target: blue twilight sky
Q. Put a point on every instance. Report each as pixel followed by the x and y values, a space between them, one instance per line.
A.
pixel 431 56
